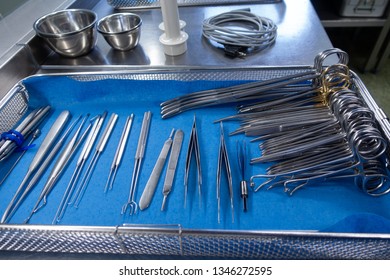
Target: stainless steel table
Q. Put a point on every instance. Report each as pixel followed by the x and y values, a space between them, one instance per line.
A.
pixel 300 37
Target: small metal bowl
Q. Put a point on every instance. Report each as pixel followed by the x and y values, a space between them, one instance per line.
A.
pixel 122 31
pixel 70 32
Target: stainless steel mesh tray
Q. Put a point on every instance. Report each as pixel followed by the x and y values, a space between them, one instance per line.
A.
pixel 141 4
pixel 176 240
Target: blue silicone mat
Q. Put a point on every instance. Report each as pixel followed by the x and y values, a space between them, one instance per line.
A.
pixel 328 206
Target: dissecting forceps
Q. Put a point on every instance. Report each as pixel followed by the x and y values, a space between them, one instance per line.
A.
pixel 60 165
pixel 193 146
pixel 119 153
pixel 98 151
pixel 151 185
pixel 172 164
pixel 223 159
pixel 85 152
pixel 39 157
pixel 25 128
pixel 139 154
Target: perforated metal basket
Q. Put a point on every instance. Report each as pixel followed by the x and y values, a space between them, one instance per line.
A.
pixel 175 240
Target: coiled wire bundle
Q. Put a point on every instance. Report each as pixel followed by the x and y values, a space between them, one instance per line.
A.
pixel 239 30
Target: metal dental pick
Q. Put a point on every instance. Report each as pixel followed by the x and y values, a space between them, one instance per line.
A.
pixel 119 153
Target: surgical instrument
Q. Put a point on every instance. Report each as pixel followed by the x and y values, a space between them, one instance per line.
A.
pixel 139 154
pixel 15 138
pixel 172 164
pixel 87 148
pixel 60 166
pixel 223 159
pixel 44 166
pixel 119 153
pixel 98 151
pixel 154 177
pixel 242 92
pixel 193 147
pixel 39 157
pixel 255 90
pixel 337 148
pixel 241 158
pixel 35 135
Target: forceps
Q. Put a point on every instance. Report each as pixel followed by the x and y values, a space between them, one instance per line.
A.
pixel 87 148
pixel 193 146
pixel 98 151
pixel 139 154
pixel 223 159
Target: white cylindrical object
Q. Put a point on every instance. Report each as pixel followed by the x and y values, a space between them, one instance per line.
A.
pixel 174 39
pixel 181 22
pixel 170 14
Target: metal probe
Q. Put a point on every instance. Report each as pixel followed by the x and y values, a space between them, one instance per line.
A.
pixel 139 154
pixel 119 153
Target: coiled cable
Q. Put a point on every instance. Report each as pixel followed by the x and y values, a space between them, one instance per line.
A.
pixel 240 30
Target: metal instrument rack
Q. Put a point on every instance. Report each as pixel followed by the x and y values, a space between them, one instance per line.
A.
pixel 176 240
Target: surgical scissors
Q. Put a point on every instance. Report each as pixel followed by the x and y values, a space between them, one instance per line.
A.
pixel 139 155
pixel 193 147
pixel 258 89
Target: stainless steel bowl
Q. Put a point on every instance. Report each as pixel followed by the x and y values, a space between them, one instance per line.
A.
pixel 122 31
pixel 70 32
